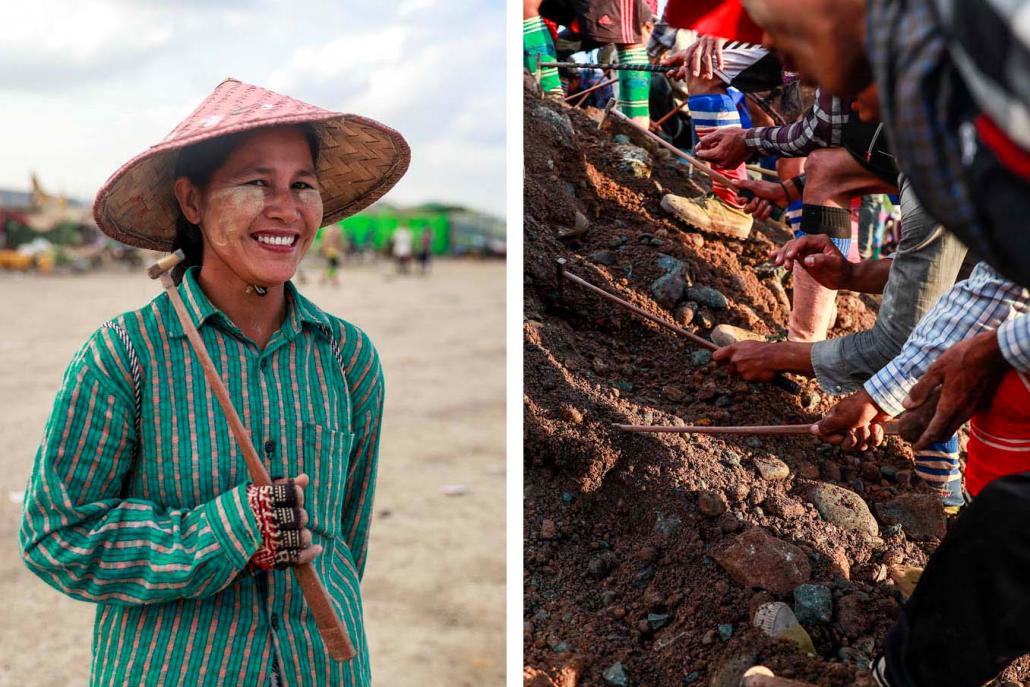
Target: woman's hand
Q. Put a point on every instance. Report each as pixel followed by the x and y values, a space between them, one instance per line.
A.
pixel 279 509
pixel 820 258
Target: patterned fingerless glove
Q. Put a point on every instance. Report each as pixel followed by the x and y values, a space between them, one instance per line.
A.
pixel 278 517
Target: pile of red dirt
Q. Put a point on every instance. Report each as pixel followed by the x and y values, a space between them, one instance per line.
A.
pixel 623 531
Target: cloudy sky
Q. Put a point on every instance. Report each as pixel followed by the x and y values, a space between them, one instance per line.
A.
pixel 84 86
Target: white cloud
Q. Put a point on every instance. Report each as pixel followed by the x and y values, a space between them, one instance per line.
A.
pixel 83 93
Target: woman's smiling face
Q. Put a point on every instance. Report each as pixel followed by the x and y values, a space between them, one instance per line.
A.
pixel 261 208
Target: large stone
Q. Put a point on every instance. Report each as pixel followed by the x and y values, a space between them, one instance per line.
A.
pixel 844 508
pixel 668 289
pixel 921 516
pixel 708 296
pixel 771 468
pixel 726 334
pixel 757 559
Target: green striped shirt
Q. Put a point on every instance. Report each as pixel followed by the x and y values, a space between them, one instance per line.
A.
pixel 152 524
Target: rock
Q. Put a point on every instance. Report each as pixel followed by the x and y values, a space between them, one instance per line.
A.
pixel 809 400
pixel 870 472
pixel 669 263
pixel 601 565
pixel 776 286
pixel 620 138
pixel 579 227
pixel 618 242
pixel 708 296
pixel 548 530
pixel 603 257
pixel 668 289
pixel 561 123
pixel 673 393
pixel 571 414
pixel 921 516
pixel 726 334
pixel 728 522
pixel 777 620
pixel 615 674
pixel 852 614
pixel 725 631
pixel 813 603
pixel 771 468
pixel 657 621
pixel 760 560
pixel 685 314
pixel 783 507
pixel 843 508
pixel 904 478
pixel 712 504
pixel 703 319
pixel 701 357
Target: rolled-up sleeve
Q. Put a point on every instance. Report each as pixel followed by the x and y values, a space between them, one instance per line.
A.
pixel 1014 341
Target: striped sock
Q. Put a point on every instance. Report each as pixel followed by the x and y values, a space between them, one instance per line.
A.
pixel 709 112
pixel 634 87
pixel 938 464
pixel 537 47
pixel 793 216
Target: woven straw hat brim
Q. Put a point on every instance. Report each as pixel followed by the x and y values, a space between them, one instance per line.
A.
pixel 359 160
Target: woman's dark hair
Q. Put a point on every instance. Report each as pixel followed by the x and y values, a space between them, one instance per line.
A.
pixel 198 163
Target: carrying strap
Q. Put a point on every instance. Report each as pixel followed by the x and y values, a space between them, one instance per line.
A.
pixel 135 370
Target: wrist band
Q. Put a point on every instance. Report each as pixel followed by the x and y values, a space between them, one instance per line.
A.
pixel 786 193
pixel 799 184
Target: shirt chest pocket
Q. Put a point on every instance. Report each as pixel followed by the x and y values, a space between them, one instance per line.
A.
pixel 324 454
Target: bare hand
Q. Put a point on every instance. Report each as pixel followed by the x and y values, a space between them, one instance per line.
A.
pixel 767 197
pixel 701 59
pixel 856 422
pixel 968 373
pixel 310 550
pixel 724 146
pixel 752 360
pixel 820 258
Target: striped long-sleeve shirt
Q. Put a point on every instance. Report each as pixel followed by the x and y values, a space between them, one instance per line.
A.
pixel 151 523
pixel 822 126
pixel 985 301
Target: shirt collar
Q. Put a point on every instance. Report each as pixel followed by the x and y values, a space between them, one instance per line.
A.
pixel 299 310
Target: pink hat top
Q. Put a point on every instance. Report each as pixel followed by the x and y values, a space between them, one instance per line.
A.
pixel 359 160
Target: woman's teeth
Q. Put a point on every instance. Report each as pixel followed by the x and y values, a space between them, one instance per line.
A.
pixel 277 240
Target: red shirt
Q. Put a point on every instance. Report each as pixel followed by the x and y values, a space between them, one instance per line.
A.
pixel 724 18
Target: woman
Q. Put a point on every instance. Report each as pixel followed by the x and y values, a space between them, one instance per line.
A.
pixel 139 499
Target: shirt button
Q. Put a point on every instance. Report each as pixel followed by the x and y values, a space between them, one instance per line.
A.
pixel 269 446
pixel 274 621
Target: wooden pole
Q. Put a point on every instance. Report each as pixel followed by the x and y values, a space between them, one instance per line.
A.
pixel 584 93
pixel 768 430
pixel 333 632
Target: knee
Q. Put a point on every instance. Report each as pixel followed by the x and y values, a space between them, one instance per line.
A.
pixel 531 8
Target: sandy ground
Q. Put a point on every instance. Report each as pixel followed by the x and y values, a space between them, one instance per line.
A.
pixel 434 586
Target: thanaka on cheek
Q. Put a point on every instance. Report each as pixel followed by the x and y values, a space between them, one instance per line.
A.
pixel 232 211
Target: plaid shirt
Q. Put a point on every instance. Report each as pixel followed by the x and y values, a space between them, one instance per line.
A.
pixel 985 301
pixel 150 521
pixel 821 127
pixel 939 65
